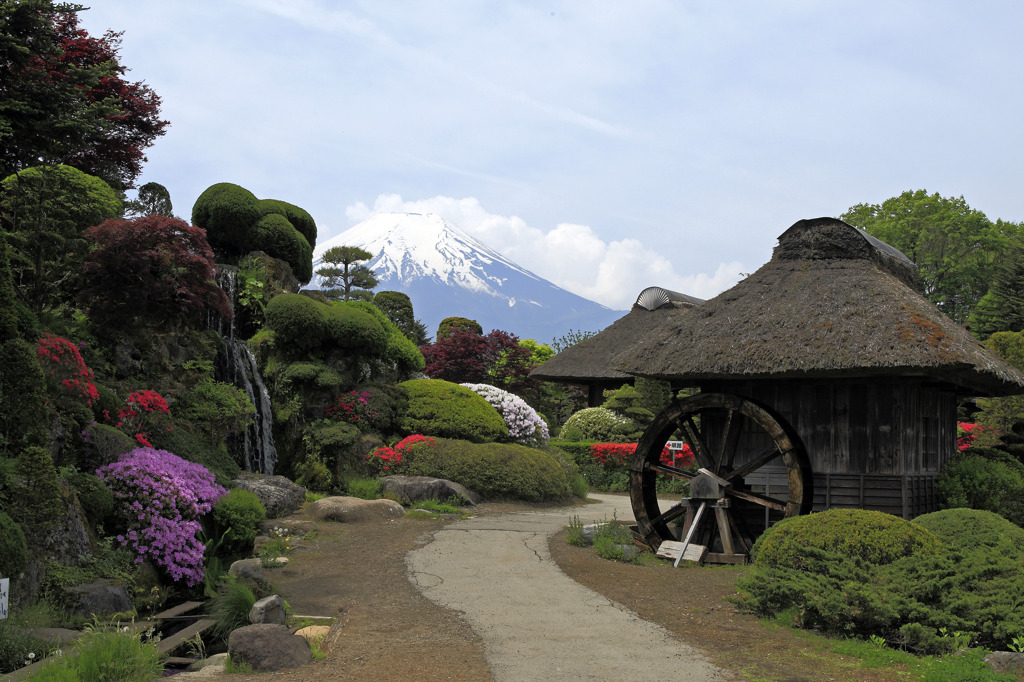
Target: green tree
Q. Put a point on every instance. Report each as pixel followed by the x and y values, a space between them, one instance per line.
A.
pixel 343 277
pixel 45 210
pixel 151 198
pixel 1002 414
pixel 953 245
pixel 1002 307
pixel 539 352
pixel 570 338
pixel 449 325
pixel 398 308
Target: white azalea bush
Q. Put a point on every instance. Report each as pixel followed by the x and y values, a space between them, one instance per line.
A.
pixel 525 426
pixel 598 424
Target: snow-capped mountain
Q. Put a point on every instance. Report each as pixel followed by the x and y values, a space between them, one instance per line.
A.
pixel 446 273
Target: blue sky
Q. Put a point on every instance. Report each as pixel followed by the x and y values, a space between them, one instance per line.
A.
pixel 605 145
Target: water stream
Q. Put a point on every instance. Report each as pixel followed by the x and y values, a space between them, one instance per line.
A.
pixel 236 364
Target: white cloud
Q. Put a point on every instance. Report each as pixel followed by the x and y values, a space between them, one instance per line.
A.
pixel 572 256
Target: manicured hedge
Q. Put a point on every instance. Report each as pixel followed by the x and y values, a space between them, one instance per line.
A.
pixel 443 409
pixel 598 424
pixel 299 218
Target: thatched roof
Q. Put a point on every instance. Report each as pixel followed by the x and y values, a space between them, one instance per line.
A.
pixel 832 302
pixel 593 360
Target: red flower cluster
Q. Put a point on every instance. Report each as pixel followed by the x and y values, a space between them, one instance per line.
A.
pixel 64 364
pixel 140 407
pixel 966 434
pixel 352 408
pixel 384 458
pixel 619 454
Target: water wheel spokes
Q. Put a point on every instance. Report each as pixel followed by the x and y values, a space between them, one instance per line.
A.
pixel 738 447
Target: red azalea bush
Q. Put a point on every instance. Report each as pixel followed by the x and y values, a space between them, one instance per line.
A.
pixel 967 433
pixel 384 460
pixel 143 411
pixel 352 408
pixel 620 454
pixel 63 364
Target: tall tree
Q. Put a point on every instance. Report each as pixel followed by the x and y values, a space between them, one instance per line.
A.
pixel 953 245
pixel 152 198
pixel 1002 308
pixel 343 277
pixel 64 98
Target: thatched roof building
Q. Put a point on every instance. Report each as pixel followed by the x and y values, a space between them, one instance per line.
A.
pixel 591 362
pixel 833 302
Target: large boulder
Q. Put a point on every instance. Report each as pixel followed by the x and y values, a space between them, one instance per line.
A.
pixel 101 599
pixel 280 497
pixel 411 489
pixel 268 647
pixel 1006 662
pixel 268 610
pixel 355 510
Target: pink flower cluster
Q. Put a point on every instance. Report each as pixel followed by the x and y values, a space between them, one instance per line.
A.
pixel 383 459
pixel 352 408
pixel 64 364
pixel 162 498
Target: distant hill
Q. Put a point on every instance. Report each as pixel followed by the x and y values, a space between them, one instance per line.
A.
pixel 446 273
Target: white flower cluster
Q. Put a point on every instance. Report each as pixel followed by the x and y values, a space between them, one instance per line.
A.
pixel 525 426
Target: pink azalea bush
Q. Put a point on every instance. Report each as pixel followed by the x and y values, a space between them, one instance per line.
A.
pixel 162 497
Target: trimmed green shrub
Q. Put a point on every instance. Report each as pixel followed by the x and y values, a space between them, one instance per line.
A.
pixel 93 494
pixel 13 549
pixel 875 537
pixel 351 327
pixel 451 324
pixel 441 408
pixel 274 234
pixel 398 349
pixel 598 424
pixel 215 408
pixel 300 219
pixel 492 470
pixel 314 476
pixel 974 528
pixel 297 321
pixel 240 511
pixel 105 444
pixel 984 478
pixel 226 211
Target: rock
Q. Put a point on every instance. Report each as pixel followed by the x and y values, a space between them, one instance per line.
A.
pixel 410 489
pixel 250 571
pixel 1008 662
pixel 355 510
pixel 102 599
pixel 629 552
pixel 208 667
pixel 57 636
pixel 313 633
pixel 589 531
pixel 268 610
pixel 279 496
pixel 268 647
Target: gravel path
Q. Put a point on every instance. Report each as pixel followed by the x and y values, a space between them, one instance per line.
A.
pixel 535 622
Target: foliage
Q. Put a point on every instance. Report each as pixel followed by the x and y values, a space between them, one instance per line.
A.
pixel 335 445
pixel 1002 307
pixel 386 460
pixel 570 338
pixel 953 245
pixel 13 549
pixel 314 475
pixel 399 352
pixel 597 423
pixel 152 198
pixel 119 655
pixel 23 413
pixel 352 408
pixel 153 269
pixel 237 223
pixel 609 540
pixel 64 99
pixel 343 277
pixel 441 408
pixel 524 424
pixel 241 512
pixel 465 356
pixel 574 532
pixel 45 210
pixel 450 325
pixel 364 488
pixel 104 444
pixel 106 562
pixel 398 309
pixel 875 537
pixel 39 503
pixel 539 352
pixel 15 319
pixel 984 479
pixel 493 470
pixel 215 408
pixel 605 466
pixel 143 412
pixel 162 498
pixel 95 497
pixel 66 369
pixel 305 325
pixel 16 643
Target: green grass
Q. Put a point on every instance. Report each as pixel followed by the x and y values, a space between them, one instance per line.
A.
pixel 434 509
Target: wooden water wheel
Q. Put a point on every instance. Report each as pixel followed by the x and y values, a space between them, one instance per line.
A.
pixel 738 446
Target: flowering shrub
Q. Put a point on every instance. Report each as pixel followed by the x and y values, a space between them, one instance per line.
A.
pixel 967 433
pixel 162 497
pixel 143 410
pixel 383 460
pixel 352 408
pixel 63 363
pixel 524 424
pixel 620 454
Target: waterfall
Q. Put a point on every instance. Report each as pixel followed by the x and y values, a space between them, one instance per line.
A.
pixel 236 364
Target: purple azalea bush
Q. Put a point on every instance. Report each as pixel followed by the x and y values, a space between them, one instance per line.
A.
pixel 162 498
pixel 525 426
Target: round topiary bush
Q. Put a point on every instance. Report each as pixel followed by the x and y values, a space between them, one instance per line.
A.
pixel 297 321
pixel 240 511
pixel 974 528
pixel 597 424
pixel 355 329
pixel 441 408
pixel 274 234
pixel 299 218
pixel 13 548
pixel 493 470
pixel 870 535
pixel 226 211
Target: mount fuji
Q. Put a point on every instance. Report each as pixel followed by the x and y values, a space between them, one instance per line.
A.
pixel 447 273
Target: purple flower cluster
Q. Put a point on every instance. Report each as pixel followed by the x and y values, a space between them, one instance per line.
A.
pixel 525 426
pixel 162 499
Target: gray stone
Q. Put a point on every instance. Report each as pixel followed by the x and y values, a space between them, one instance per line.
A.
pixel 629 552
pixel 250 571
pixel 355 510
pixel 1009 662
pixel 102 599
pixel 410 489
pixel 279 496
pixel 268 610
pixel 58 636
pixel 268 647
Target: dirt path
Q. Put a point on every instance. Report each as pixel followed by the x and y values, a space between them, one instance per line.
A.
pixel 535 622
